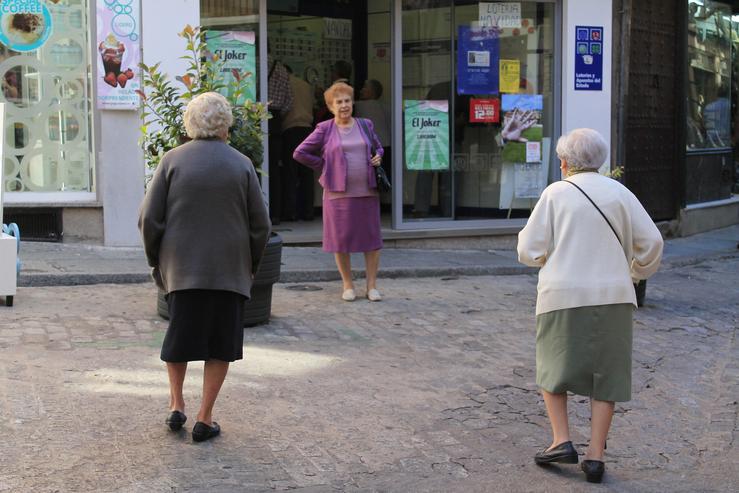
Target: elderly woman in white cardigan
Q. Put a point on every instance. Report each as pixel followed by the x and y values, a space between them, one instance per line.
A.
pixel 592 239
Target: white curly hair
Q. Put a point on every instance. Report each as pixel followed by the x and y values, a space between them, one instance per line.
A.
pixel 583 148
pixel 207 116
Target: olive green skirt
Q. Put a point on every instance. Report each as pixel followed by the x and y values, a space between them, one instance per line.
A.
pixel 586 351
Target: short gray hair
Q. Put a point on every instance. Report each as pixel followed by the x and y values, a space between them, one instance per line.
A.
pixel 207 116
pixel 583 148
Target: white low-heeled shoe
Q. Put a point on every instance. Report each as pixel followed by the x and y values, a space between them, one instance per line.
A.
pixel 348 295
pixel 374 295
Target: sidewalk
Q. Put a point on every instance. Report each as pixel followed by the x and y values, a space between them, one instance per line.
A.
pixel 69 264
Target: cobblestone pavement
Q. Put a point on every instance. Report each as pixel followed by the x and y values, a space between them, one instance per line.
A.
pixel 430 390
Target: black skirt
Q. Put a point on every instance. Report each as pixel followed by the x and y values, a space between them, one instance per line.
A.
pixel 204 324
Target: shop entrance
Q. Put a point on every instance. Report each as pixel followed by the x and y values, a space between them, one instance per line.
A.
pixel 319 42
pixel 491 93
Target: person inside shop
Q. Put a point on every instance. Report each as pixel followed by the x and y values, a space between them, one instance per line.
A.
pixel 280 102
pixel 370 106
pixel 591 238
pixel 11 89
pixel 202 186
pixel 341 71
pixel 297 180
pixel 717 114
pixel 342 150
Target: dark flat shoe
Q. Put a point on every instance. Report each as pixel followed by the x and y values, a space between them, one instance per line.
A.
pixel 564 453
pixel 175 420
pixel 593 470
pixel 202 432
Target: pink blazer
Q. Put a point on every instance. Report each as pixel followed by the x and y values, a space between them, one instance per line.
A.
pixel 322 150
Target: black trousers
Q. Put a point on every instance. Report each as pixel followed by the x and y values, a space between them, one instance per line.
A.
pixel 297 180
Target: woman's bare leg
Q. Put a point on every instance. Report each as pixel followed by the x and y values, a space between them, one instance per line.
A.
pixel 213 377
pixel 344 264
pixel 557 411
pixel 600 423
pixel 372 263
pixel 176 373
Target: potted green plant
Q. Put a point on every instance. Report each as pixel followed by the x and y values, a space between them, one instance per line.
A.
pixel 164 101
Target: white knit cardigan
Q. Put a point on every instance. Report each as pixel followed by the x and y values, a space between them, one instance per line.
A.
pixel 582 262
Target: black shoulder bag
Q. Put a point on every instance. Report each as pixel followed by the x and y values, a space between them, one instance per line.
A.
pixel 383 184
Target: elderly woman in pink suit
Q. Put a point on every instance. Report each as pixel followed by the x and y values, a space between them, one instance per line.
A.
pixel 344 150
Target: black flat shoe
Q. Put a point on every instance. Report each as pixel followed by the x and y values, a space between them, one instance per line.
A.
pixel 593 470
pixel 175 420
pixel 202 432
pixel 564 453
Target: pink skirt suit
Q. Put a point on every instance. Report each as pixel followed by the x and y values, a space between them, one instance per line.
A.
pixel 351 203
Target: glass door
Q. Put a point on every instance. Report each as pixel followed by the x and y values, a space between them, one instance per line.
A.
pixel 427 109
pixel 476 113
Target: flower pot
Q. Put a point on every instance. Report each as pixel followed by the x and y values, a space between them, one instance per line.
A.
pixel 258 308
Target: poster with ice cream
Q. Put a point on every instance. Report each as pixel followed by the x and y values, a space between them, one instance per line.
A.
pixel 118 46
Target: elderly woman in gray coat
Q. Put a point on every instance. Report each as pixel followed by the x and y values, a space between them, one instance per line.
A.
pixel 205 225
pixel 592 239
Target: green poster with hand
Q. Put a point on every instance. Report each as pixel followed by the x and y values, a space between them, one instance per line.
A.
pixel 426 135
pixel 236 50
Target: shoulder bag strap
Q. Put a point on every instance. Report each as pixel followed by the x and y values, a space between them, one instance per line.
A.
pixel 598 208
pixel 365 129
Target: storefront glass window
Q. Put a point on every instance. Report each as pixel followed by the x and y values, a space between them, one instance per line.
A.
pixel 232 15
pixel 46 90
pixel 709 75
pixel 478 101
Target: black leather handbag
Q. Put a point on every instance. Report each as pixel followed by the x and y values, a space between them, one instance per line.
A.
pixel 383 184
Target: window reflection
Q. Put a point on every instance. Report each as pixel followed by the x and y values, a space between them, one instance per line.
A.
pixel 47 96
pixel 709 75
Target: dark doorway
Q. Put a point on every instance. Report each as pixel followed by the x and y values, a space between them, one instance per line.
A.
pixel 653 127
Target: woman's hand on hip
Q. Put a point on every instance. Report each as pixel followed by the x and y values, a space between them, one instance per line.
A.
pixel 376 160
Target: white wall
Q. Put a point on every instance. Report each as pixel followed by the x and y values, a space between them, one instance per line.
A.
pixel 121 177
pixel 586 108
pixel 162 20
pixel 122 164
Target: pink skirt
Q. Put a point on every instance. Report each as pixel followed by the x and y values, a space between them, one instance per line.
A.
pixel 351 224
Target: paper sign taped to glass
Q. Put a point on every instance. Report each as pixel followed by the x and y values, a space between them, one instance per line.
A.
pixel 426 135
pixel 477 60
pixel 510 76
pixel 236 50
pixel 486 110
pixel 500 14
pixel 522 117
pixel 527 181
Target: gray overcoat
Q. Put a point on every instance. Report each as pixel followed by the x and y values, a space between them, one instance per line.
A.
pixel 204 221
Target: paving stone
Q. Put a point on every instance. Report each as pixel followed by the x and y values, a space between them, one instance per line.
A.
pixel 433 389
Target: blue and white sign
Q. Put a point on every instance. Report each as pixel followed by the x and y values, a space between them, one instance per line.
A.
pixel 588 58
pixel 25 25
pixel 478 58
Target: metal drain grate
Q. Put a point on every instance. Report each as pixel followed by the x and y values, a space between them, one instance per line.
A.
pixel 36 224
